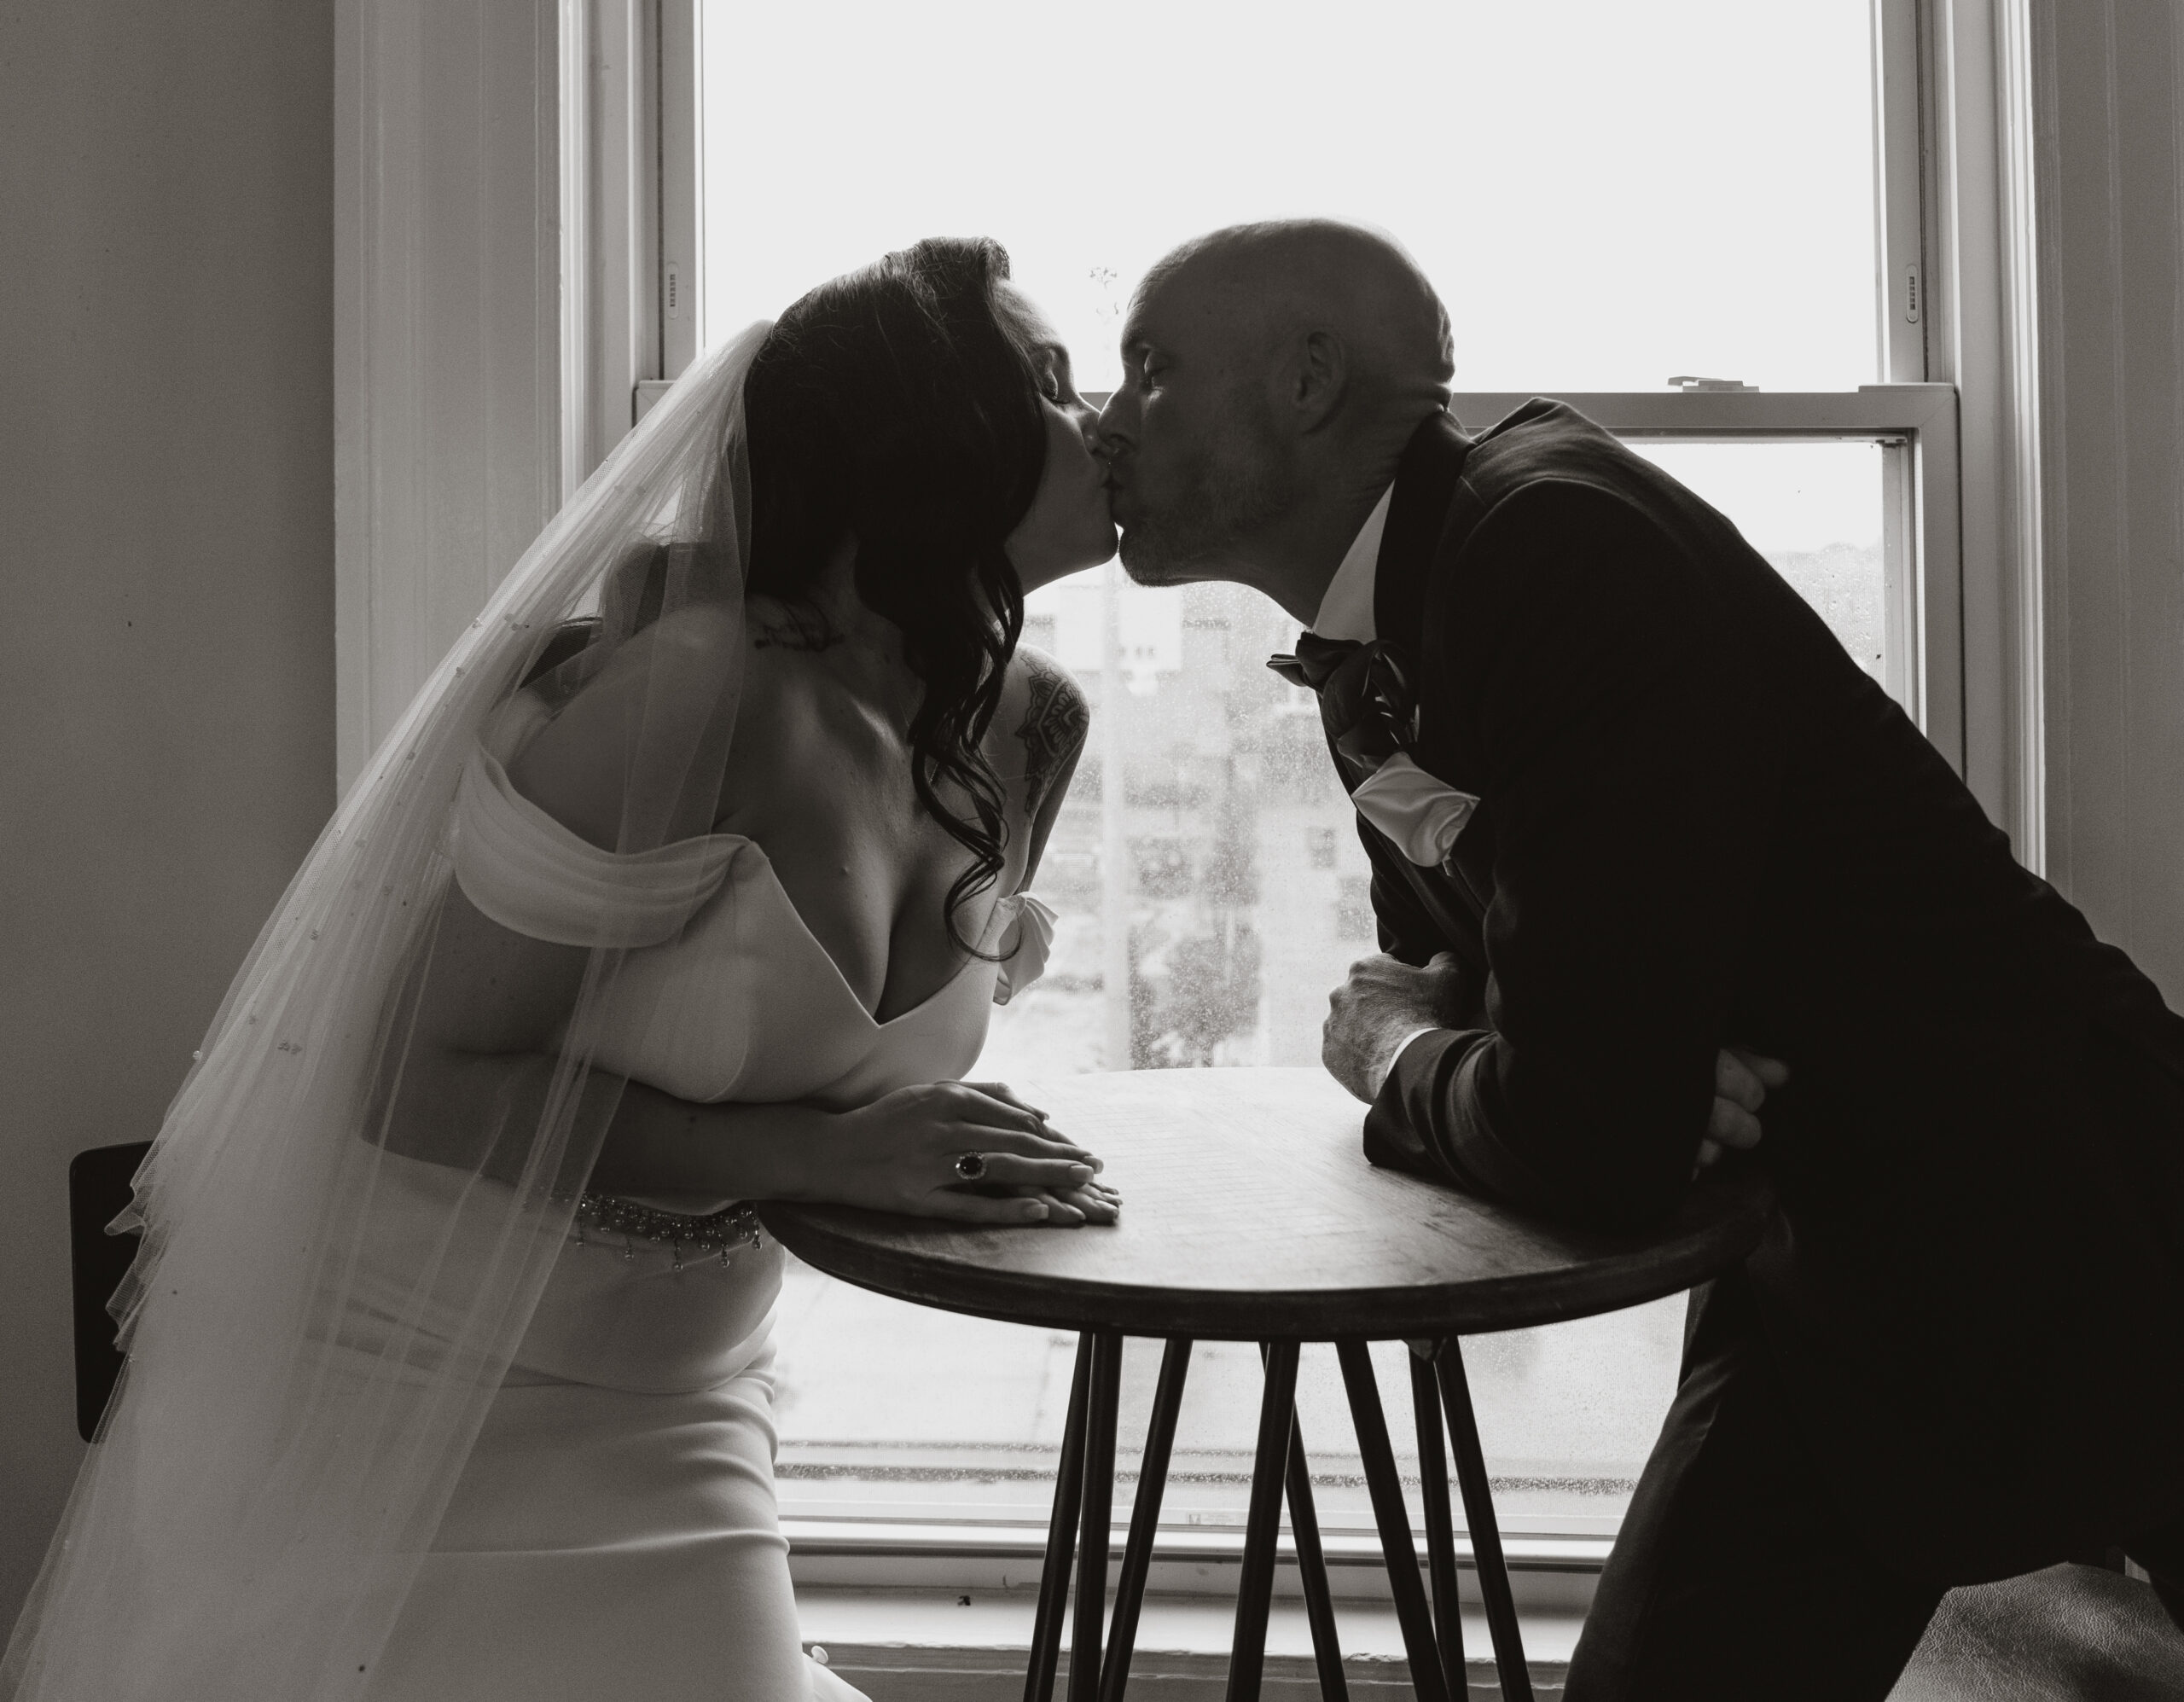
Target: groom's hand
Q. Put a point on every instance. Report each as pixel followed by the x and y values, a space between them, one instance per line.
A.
pixel 1384 1001
pixel 1741 1079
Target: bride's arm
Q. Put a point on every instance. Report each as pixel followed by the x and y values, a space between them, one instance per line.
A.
pixel 1056 722
pixel 492 1004
pixel 481 1058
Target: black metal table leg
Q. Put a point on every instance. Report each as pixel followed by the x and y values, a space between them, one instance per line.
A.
pixel 1312 1567
pixel 1485 1535
pixel 1145 1518
pixel 1393 1520
pixel 1262 1526
pixel 1094 1525
pixel 1440 1527
pixel 1061 1535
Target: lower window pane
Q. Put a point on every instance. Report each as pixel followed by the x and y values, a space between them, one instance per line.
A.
pixel 1241 899
pixel 889 1410
pixel 1814 510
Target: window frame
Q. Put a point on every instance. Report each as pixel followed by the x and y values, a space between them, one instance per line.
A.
pixel 1915 427
pixel 1956 419
pixel 605 113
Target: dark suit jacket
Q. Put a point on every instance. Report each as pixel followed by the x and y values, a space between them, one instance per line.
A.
pixel 1702 823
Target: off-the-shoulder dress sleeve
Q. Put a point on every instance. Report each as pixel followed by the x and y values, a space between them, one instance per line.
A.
pixel 531 874
pixel 1025 946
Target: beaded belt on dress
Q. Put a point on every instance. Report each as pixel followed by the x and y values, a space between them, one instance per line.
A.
pixel 718 1231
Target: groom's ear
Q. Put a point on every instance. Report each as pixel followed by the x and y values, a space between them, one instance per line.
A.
pixel 1319 380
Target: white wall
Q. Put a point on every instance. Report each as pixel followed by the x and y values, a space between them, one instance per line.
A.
pixel 166 642
pixel 447 370
pixel 2109 91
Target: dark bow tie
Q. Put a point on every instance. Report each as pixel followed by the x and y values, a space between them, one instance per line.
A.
pixel 1366 696
pixel 1316 660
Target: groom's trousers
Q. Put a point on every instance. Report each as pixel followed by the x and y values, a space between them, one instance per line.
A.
pixel 1736 1574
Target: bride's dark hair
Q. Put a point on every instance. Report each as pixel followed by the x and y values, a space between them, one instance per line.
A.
pixel 898 404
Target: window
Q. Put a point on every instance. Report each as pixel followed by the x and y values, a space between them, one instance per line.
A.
pixel 1353 910
pixel 1688 219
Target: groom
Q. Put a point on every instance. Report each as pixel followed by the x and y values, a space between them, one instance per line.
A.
pixel 1627 800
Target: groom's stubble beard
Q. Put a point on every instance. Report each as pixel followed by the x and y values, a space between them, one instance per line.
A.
pixel 1232 485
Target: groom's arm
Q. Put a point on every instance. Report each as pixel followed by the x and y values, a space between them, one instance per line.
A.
pixel 1630 771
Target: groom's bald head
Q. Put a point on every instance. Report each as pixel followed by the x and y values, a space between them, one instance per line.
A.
pixel 1271 372
pixel 1272 283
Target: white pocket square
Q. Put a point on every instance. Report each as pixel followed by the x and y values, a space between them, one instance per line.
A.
pixel 1422 814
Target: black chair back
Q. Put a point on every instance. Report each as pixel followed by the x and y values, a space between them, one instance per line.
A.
pixel 98 1190
pixel 570 638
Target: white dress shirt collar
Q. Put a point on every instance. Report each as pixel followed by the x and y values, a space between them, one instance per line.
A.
pixel 1346 608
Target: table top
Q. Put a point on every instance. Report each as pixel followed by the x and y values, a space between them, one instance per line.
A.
pixel 1249 1211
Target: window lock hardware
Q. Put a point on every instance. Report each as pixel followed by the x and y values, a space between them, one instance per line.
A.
pixel 1689 381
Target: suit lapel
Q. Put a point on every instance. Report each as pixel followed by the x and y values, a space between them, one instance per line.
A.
pixel 1426 479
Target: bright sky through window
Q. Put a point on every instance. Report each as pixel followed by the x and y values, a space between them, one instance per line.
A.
pixel 1605 193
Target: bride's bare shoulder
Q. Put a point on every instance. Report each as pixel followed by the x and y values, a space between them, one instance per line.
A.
pixel 671 675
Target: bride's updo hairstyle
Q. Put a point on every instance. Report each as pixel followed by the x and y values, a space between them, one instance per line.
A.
pixel 898 404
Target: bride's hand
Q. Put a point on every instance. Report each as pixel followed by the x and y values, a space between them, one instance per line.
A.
pixel 900 1154
pixel 1093 1203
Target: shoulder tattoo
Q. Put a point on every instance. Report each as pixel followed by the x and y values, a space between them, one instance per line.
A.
pixel 780 625
pixel 1054 725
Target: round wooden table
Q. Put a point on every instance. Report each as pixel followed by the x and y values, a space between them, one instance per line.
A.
pixel 1251 1214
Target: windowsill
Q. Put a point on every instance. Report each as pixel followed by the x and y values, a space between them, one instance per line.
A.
pixel 1551 1575
pixel 909 1646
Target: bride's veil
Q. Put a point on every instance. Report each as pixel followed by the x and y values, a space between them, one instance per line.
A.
pixel 313 1339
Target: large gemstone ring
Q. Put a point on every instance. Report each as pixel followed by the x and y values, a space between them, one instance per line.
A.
pixel 972 1166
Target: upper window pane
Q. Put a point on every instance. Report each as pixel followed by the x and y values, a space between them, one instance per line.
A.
pixel 1605 193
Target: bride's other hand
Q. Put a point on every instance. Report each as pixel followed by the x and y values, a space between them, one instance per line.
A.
pixel 901 1153
pixel 1067 1208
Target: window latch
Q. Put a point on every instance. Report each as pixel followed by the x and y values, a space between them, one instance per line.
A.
pixel 1688 382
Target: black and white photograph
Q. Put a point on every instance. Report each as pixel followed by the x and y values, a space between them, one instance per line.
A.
pixel 946 851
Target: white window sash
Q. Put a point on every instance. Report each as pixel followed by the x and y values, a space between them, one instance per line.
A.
pixel 1916 425
pixel 1915 419
pixel 1550 1573
pixel 603 109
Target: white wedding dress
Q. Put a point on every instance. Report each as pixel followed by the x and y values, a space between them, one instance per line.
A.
pixel 613 1531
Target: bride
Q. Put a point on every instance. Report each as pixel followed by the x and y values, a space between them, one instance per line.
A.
pixel 689 882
